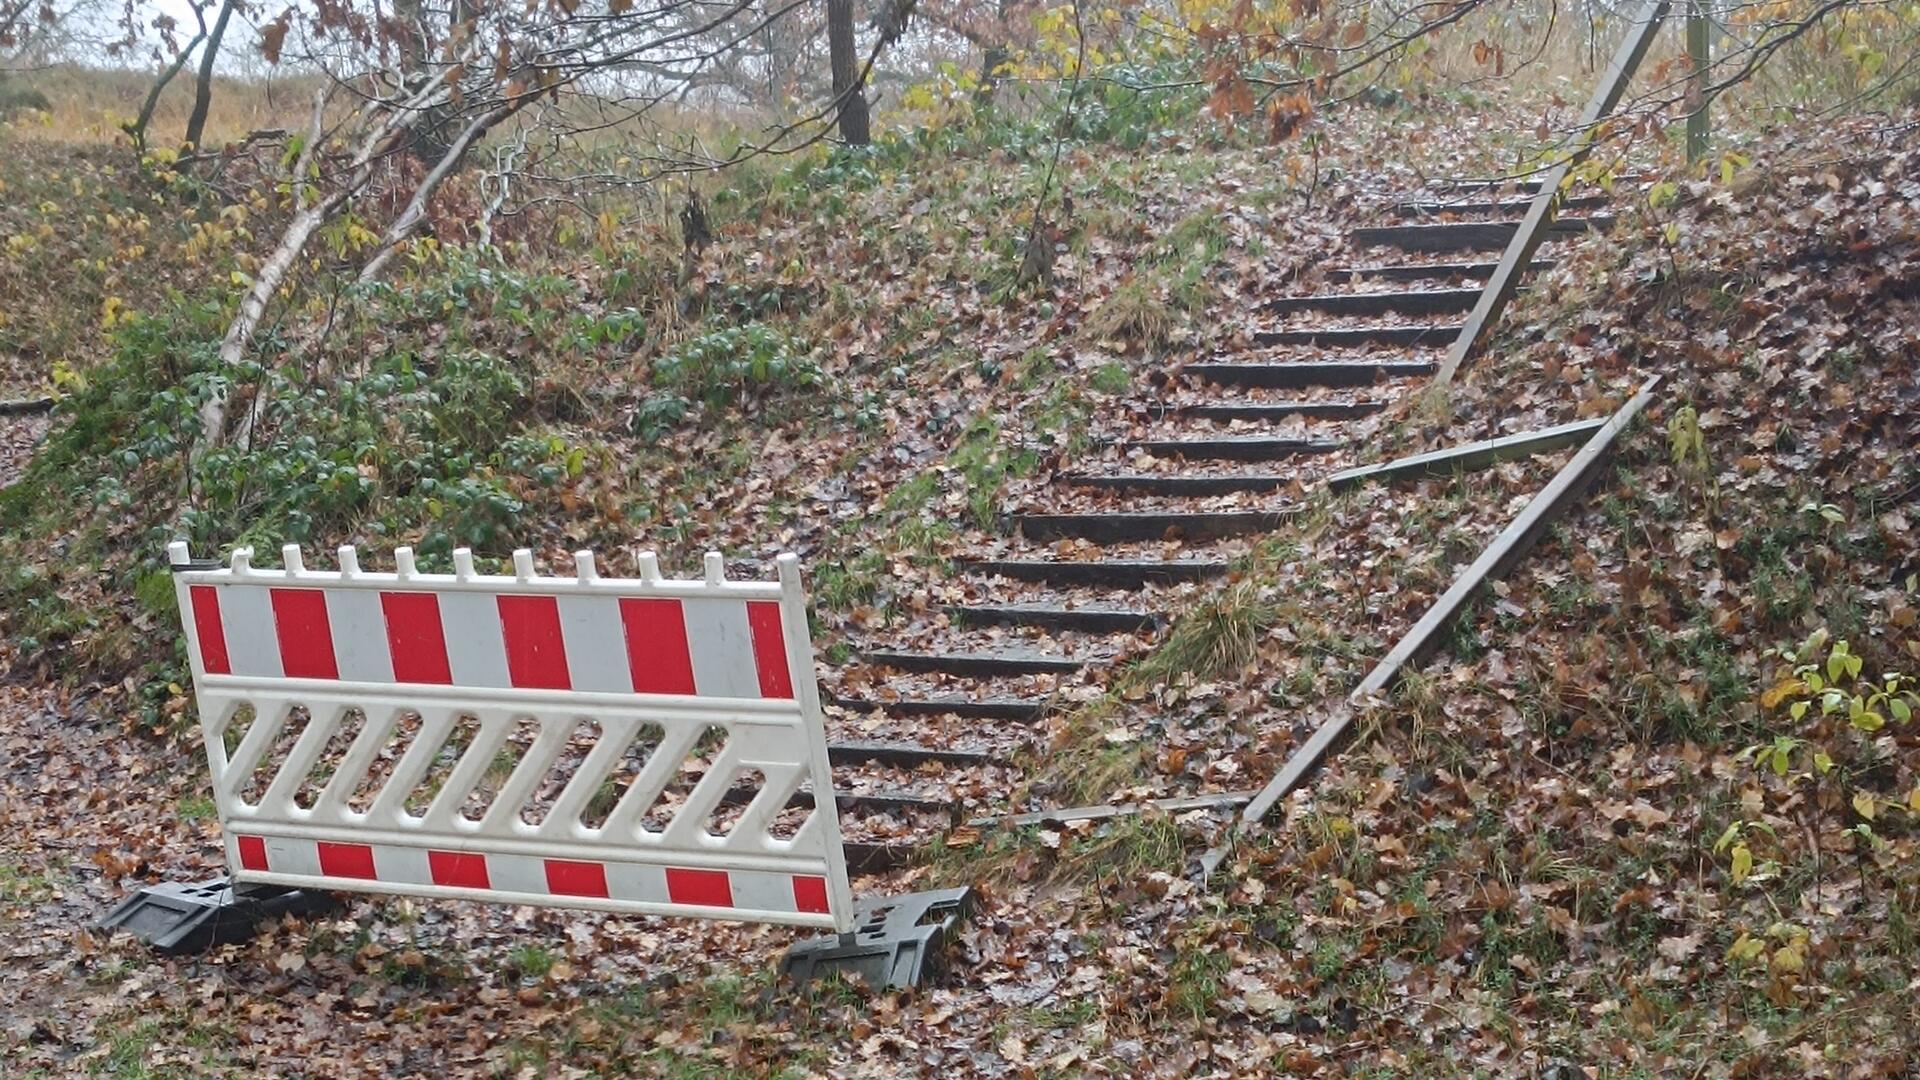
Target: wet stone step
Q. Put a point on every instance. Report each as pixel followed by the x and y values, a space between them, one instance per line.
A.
pixel 975 664
pixel 1406 302
pixel 1111 528
pixel 1093 619
pixel 1275 411
pixel 1296 374
pixel 1017 710
pixel 1341 336
pixel 1424 208
pixel 1236 448
pixel 1463 235
pixel 1100 573
pixel 906 755
pixel 1424 271
pixel 1178 485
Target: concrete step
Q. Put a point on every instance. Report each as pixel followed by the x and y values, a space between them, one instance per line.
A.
pixel 1429 208
pixel 1180 486
pixel 1532 186
pixel 1275 411
pixel 1335 337
pixel 907 755
pixel 878 856
pixel 1293 375
pixel 1094 619
pixel 983 665
pixel 1464 235
pixel 1014 710
pixel 1233 448
pixel 1406 302
pixel 1101 573
pixel 1424 271
pixel 1117 528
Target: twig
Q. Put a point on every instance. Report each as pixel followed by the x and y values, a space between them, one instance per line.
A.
pixel 1059 138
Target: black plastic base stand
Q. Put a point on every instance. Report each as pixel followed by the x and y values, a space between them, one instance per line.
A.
pixel 896 940
pixel 178 919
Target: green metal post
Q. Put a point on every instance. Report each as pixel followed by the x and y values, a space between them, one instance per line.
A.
pixel 1698 57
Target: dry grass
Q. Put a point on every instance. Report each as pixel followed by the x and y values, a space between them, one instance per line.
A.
pixel 1133 314
pixel 90 104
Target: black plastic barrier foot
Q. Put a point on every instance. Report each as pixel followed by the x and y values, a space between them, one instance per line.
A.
pixel 178 919
pixel 896 940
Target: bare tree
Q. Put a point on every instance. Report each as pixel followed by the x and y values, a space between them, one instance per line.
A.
pixel 457 73
pixel 203 88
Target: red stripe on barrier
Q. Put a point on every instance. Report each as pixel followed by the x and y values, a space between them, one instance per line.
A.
pixel 212 636
pixel 347 860
pixel 567 878
pixel 769 648
pixel 306 638
pixel 415 638
pixel 657 653
pixel 707 888
pixel 253 852
pixel 810 894
pixel 459 869
pixel 536 652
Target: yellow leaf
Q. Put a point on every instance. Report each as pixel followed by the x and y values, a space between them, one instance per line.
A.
pixel 1745 948
pixel 1913 801
pixel 1781 690
pixel 1787 958
pixel 1863 805
pixel 1742 863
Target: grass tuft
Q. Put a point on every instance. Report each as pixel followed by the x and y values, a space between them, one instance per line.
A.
pixel 1133 314
pixel 1217 637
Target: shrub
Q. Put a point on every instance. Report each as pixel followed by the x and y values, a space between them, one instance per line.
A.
pixel 741 365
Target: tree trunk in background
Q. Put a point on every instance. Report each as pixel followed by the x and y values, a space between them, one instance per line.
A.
pixel 994 55
pixel 203 91
pixel 846 73
pixel 138 128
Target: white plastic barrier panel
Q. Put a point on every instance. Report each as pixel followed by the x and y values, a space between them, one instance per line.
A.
pixel 634 745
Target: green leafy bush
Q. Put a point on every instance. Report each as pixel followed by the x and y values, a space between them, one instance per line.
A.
pixel 740 365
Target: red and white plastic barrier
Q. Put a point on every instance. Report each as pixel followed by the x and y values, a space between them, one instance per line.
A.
pixel 412 656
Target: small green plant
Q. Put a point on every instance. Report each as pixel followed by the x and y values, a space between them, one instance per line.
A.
pixel 740 365
pixel 1688 446
pixel 1838 713
pixel 530 961
pixel 656 415
pixel 1111 379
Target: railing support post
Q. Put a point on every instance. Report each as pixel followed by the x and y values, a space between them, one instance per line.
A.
pixel 1699 57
